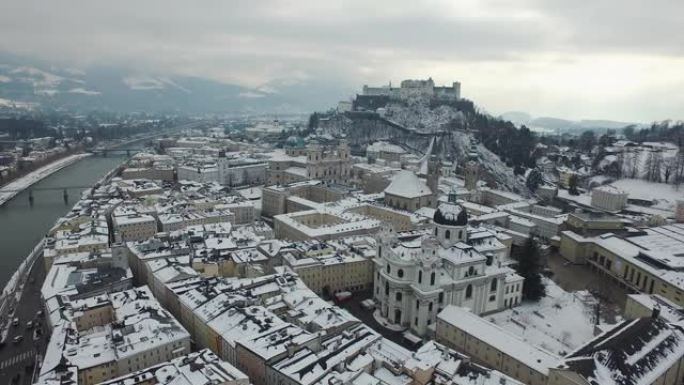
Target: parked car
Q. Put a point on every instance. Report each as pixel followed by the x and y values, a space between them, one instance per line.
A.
pixel 15 322
pixel 29 325
pixel 17 339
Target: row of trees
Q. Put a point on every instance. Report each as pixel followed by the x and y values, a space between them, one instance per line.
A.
pixel 514 146
pixel 649 164
pixel 665 131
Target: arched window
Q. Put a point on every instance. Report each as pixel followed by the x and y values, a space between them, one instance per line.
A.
pixel 469 291
pixel 471 271
pixel 430 306
pixel 386 288
pixel 447 234
pixel 460 234
pixel 398 296
pixel 420 276
pixel 492 286
pixel 432 278
pixel 388 268
pixel 400 273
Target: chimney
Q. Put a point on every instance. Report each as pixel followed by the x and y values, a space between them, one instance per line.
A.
pixel 655 312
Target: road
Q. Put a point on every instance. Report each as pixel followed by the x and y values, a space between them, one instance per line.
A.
pixel 354 307
pixel 19 359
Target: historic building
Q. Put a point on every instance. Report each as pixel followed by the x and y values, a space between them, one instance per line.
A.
pixel 329 163
pixel 417 276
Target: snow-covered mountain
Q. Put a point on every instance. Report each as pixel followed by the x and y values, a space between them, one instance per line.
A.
pixel 551 124
pixel 33 83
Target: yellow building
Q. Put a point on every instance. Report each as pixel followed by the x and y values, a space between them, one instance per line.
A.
pixel 493 347
pixel 649 261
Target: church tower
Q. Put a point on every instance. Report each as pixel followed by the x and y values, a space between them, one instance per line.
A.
pixel 433 179
pixel 472 174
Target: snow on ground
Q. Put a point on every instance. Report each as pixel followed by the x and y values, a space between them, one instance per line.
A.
pixel 83 91
pixel 10 190
pixel 582 199
pixel 559 322
pixel 665 195
pixel 151 83
pixel 419 116
pixel 598 180
pixel 38 78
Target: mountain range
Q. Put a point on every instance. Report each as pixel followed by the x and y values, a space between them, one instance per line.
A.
pixel 33 83
pixel 551 124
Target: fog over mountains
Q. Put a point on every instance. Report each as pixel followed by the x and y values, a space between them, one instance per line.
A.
pixel 551 124
pixel 24 81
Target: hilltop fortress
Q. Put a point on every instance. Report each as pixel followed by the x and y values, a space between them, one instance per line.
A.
pixel 411 88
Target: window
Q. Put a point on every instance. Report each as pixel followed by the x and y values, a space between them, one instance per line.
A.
pixel 398 296
pixel 386 288
pixel 469 291
pixel 492 286
pixel 471 271
pixel 432 278
pixel 388 268
pixel 417 304
pixel 460 234
pixel 420 276
pixel 435 231
pixel 430 306
pixel 440 298
pixel 400 273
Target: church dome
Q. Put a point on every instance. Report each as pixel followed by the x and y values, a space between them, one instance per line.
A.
pixel 450 214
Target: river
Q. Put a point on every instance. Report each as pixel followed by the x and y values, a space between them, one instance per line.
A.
pixel 23 225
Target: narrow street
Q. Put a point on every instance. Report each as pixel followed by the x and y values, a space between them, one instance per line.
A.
pixel 17 360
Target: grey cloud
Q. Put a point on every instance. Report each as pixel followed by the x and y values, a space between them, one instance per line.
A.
pixel 347 42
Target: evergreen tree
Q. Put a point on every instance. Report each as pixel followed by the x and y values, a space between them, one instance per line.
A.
pixel 572 185
pixel 529 267
pixel 534 179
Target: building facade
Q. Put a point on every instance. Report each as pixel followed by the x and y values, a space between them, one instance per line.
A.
pixel 416 278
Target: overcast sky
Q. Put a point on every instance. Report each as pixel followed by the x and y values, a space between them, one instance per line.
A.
pixel 612 59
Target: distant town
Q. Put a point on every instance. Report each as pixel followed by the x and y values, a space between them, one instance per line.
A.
pixel 402 237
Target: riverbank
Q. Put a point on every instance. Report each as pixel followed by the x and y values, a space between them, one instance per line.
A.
pixel 10 190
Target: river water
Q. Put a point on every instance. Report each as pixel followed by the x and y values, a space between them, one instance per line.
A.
pixel 23 225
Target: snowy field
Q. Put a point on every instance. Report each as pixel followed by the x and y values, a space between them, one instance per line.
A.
pixel 10 190
pixel 560 323
pixel 665 195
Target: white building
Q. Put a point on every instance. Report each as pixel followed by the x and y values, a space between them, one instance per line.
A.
pixel 114 335
pixel 240 172
pixel 199 368
pixel 417 277
pixel 201 174
pixel 608 198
